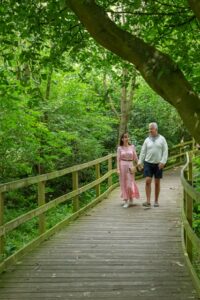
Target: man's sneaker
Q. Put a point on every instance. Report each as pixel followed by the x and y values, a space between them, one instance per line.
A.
pixel 156 204
pixel 146 204
pixel 126 205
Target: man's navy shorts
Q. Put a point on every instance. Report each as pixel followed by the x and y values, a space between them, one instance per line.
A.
pixel 151 170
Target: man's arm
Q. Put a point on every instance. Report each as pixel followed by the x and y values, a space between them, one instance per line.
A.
pixel 142 154
pixel 165 152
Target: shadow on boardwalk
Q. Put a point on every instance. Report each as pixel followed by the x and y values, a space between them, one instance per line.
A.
pixel 110 253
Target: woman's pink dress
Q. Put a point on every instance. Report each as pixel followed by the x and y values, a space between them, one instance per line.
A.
pixel 125 158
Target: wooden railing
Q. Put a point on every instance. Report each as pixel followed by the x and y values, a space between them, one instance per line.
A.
pixel 190 241
pixel 177 154
pixel 43 207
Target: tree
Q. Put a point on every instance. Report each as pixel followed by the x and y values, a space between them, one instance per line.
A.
pixel 157 68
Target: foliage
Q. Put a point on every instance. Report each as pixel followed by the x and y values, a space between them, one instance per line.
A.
pixel 170 27
pixel 76 124
pixel 149 107
pixel 55 84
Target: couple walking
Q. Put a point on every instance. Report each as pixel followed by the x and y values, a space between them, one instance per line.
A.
pixel 152 159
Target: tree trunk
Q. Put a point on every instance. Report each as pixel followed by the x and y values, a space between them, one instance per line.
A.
pixel 109 98
pixel 126 100
pixel 47 93
pixel 195 6
pixel 157 68
pixel 127 92
pixel 45 117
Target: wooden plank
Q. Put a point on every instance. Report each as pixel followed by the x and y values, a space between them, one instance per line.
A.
pixel 16 256
pixel 110 253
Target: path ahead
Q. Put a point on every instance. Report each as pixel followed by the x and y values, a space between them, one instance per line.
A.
pixel 110 253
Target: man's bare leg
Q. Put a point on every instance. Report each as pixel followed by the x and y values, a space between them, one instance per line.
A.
pixel 148 188
pixel 157 189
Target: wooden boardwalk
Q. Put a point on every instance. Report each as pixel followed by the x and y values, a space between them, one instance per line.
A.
pixel 110 253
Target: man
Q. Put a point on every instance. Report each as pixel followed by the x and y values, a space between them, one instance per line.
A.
pixel 153 155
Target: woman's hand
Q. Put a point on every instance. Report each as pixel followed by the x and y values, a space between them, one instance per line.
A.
pixel 161 166
pixel 140 167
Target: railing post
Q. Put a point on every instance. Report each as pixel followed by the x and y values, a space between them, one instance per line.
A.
pixel 41 201
pixel 189 206
pixel 185 174
pixel 181 150
pixel 181 154
pixel 184 200
pixel 98 187
pixel 184 211
pixel 1 223
pixel 75 187
pixel 190 175
pixel 189 210
pixel 110 169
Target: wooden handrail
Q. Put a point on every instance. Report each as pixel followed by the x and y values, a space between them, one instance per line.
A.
pixel 188 188
pixel 43 207
pixel 5 187
pixel 183 144
pixel 190 240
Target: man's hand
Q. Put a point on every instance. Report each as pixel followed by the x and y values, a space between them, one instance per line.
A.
pixel 161 166
pixel 118 171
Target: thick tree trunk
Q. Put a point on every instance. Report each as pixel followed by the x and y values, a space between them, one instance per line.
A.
pixel 195 6
pixel 159 71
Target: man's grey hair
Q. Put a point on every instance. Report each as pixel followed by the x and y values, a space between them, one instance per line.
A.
pixel 154 125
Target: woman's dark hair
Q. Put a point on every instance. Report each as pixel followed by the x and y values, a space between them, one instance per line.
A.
pixel 121 141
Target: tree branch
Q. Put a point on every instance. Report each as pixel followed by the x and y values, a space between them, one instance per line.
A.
pixel 170 5
pixel 157 68
pixel 183 23
pixel 146 14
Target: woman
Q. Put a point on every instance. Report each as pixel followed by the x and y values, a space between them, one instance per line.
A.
pixel 126 155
